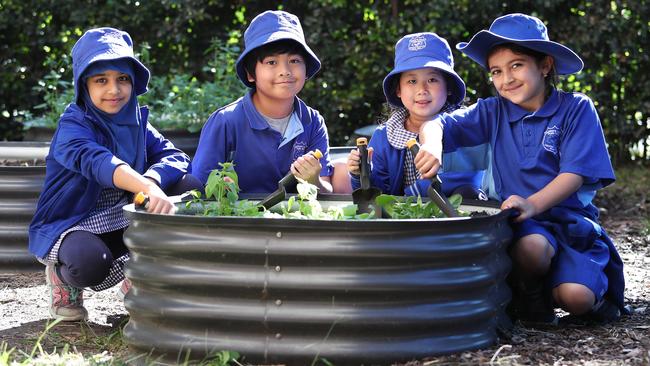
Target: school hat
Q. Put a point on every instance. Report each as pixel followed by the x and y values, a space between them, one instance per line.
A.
pixel 526 31
pixel 271 26
pixel 102 44
pixel 415 51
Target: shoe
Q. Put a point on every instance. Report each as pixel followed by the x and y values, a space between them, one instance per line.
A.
pixel 603 312
pixel 66 302
pixel 531 307
pixel 124 288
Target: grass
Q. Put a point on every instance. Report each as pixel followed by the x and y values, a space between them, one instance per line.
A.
pixel 115 351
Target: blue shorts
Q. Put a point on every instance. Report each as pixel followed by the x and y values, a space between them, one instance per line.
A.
pixel 578 258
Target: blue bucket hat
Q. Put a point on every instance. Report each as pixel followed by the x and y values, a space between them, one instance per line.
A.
pixel 106 44
pixel 419 50
pixel 272 26
pixel 526 31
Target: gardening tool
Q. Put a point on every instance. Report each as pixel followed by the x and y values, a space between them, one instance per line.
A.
pixel 364 197
pixel 435 188
pixel 140 201
pixel 287 181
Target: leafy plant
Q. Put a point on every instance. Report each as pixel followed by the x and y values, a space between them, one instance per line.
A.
pixel 413 207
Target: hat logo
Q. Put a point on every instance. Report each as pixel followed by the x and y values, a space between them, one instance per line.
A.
pixel 285 20
pixel 417 43
pixel 111 37
pixel 542 30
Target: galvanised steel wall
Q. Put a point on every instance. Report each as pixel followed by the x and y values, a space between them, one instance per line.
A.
pixel 20 187
pixel 281 290
pixel 19 191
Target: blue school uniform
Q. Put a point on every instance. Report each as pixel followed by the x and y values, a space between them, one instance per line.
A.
pixel 81 163
pixel 387 173
pixel 527 151
pixel 261 155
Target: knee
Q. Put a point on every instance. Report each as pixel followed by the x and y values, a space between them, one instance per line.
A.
pixel 85 261
pixel 340 178
pixel 574 298
pixel 533 254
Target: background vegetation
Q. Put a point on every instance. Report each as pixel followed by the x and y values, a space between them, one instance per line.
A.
pixel 190 46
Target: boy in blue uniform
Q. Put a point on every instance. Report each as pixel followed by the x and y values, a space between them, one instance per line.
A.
pixel 422 84
pixel 269 131
pixel 103 150
pixel 548 158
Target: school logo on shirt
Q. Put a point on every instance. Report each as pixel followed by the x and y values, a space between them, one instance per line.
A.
pixel 551 139
pixel 299 149
pixel 417 43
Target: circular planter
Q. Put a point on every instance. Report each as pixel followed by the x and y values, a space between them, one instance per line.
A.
pixel 287 290
pixel 20 187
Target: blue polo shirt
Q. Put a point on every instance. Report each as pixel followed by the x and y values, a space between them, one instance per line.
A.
pixel 387 172
pixel 529 149
pixel 261 155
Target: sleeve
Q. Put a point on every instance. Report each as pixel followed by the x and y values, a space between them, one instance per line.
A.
pixel 419 188
pixel 320 140
pixel 76 148
pixel 213 147
pixel 166 164
pixel 467 126
pixel 380 167
pixel 582 128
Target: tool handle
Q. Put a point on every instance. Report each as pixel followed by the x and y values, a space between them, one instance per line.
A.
pixel 364 165
pixel 141 201
pixel 413 145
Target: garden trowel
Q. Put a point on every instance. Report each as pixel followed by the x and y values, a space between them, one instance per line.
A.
pixel 287 181
pixel 435 188
pixel 364 197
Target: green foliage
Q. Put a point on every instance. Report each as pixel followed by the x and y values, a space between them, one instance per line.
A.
pixel 410 207
pixel 354 40
pixel 222 187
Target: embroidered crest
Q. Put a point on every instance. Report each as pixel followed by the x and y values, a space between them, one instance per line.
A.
pixel 417 43
pixel 551 139
pixel 285 20
pixel 542 30
pixel 299 149
pixel 111 37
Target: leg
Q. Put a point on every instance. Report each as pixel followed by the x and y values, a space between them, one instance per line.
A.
pixel 532 255
pixel 574 298
pixel 340 178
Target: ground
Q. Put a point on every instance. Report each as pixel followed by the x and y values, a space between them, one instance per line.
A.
pixel 625 215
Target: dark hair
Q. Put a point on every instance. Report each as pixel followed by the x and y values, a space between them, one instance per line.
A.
pixel 550 80
pixel 282 46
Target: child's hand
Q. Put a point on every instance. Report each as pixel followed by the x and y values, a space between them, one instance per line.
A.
pixel 159 202
pixel 307 168
pixel 354 161
pixel 427 162
pixel 525 207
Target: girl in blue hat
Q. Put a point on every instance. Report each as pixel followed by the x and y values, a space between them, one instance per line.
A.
pixel 269 132
pixel 548 157
pixel 422 85
pixel 102 152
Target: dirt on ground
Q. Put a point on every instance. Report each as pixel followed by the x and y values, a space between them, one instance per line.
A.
pixel 626 217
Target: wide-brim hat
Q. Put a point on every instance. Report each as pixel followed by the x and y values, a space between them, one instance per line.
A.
pixel 420 50
pixel 272 26
pixel 526 31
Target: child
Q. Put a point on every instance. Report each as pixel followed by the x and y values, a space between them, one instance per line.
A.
pixel 102 151
pixel 422 84
pixel 269 131
pixel 548 158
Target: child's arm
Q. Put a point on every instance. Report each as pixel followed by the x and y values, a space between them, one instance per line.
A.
pixel 553 193
pixel 129 180
pixel 308 168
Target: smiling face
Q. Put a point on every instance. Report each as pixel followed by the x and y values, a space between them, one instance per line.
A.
pixel 423 92
pixel 110 90
pixel 278 78
pixel 519 77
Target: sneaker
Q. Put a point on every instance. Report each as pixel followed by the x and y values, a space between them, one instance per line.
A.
pixel 66 302
pixel 124 288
